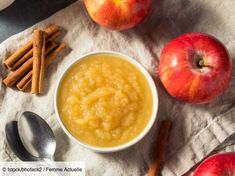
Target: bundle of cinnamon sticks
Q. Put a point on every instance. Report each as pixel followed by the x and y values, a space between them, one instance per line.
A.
pixel 28 62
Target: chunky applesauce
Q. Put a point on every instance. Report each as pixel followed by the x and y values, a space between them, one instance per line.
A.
pixel 104 101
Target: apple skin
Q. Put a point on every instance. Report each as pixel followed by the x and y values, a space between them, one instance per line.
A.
pixel 118 14
pixel 195 68
pixel 217 165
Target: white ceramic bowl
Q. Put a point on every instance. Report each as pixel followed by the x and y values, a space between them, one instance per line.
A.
pixel 148 126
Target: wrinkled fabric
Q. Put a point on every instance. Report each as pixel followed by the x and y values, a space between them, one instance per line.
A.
pixel 197 129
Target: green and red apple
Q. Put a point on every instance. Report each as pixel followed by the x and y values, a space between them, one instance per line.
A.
pixel 195 68
pixel 217 165
pixel 118 14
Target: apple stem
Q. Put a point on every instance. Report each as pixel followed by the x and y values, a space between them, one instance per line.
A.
pixel 201 64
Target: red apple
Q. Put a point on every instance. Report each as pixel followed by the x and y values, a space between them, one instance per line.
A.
pixel 118 14
pixel 217 165
pixel 195 68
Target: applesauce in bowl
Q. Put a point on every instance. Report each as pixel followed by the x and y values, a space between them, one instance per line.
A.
pixel 106 101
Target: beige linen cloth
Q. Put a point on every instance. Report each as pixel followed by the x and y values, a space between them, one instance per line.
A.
pixel 197 129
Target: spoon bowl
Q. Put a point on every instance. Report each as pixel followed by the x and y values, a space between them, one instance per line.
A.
pixel 36 135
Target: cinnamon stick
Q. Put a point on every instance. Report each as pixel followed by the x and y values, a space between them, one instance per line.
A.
pixel 29 54
pixel 53 36
pixel 14 76
pixel 19 62
pixel 19 53
pixel 51 30
pixel 27 79
pixel 160 148
pixel 39 40
pixel 25 48
pixel 23 69
pixel 51 56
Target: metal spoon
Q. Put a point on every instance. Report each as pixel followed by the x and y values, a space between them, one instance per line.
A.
pixel 32 139
pixel 36 136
